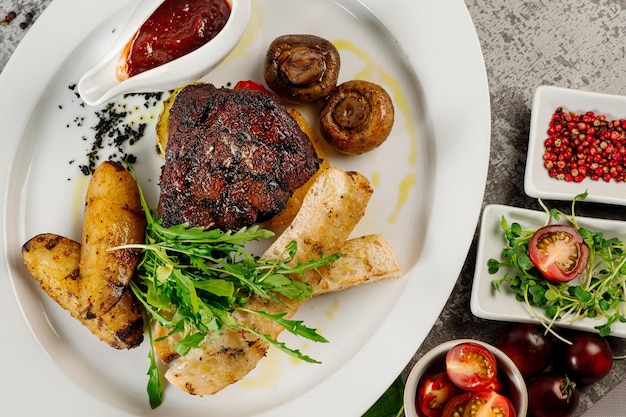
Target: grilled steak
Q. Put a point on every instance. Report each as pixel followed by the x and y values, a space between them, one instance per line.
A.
pixel 233 158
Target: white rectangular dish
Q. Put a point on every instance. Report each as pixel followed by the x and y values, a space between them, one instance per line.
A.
pixel 537 181
pixel 487 303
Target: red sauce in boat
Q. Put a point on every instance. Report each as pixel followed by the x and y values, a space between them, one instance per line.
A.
pixel 176 28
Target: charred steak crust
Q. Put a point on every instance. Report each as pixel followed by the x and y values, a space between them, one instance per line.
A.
pixel 233 158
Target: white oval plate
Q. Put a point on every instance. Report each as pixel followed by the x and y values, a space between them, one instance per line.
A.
pixel 374 330
pixel 537 182
pixel 487 303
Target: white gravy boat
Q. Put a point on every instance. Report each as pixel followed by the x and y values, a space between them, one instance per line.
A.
pixel 100 83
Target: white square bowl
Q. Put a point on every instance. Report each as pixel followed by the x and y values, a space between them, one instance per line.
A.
pixel 537 182
pixel 487 303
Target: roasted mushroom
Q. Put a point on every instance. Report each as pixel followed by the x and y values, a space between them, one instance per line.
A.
pixel 301 68
pixel 357 117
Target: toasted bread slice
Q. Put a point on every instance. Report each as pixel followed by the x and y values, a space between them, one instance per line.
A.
pixel 331 209
pixel 365 259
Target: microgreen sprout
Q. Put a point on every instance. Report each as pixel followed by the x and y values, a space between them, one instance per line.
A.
pixel 599 293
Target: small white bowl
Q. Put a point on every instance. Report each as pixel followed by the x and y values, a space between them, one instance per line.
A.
pixel 537 182
pixel 517 392
pixel 100 83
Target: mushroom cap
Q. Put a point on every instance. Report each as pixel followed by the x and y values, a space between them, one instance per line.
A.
pixel 357 117
pixel 301 68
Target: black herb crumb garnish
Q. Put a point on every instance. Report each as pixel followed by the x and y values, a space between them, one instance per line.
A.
pixel 113 130
pixel 72 87
pixel 150 99
pixel 84 169
pixel 111 125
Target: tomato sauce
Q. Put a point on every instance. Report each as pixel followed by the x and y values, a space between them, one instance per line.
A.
pixel 176 28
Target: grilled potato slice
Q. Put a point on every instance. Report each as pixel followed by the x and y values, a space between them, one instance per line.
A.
pixel 53 261
pixel 113 217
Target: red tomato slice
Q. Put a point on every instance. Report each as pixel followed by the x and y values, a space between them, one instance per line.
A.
pixel 251 85
pixel 559 252
pixel 471 366
pixel 433 392
pixel 489 404
pixel 497 385
pixel 456 406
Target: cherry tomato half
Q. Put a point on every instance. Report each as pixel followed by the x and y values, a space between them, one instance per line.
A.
pixel 456 406
pixel 252 85
pixel 559 252
pixel 471 366
pixel 498 385
pixel 433 392
pixel 489 404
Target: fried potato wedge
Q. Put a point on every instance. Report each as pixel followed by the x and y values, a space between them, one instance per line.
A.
pixel 53 261
pixel 330 210
pixel 113 217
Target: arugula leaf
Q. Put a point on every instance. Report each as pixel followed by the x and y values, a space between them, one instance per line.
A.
pixel 293 326
pixel 155 383
pixel 190 280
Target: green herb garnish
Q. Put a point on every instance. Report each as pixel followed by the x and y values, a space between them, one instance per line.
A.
pixel 601 290
pixel 191 280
